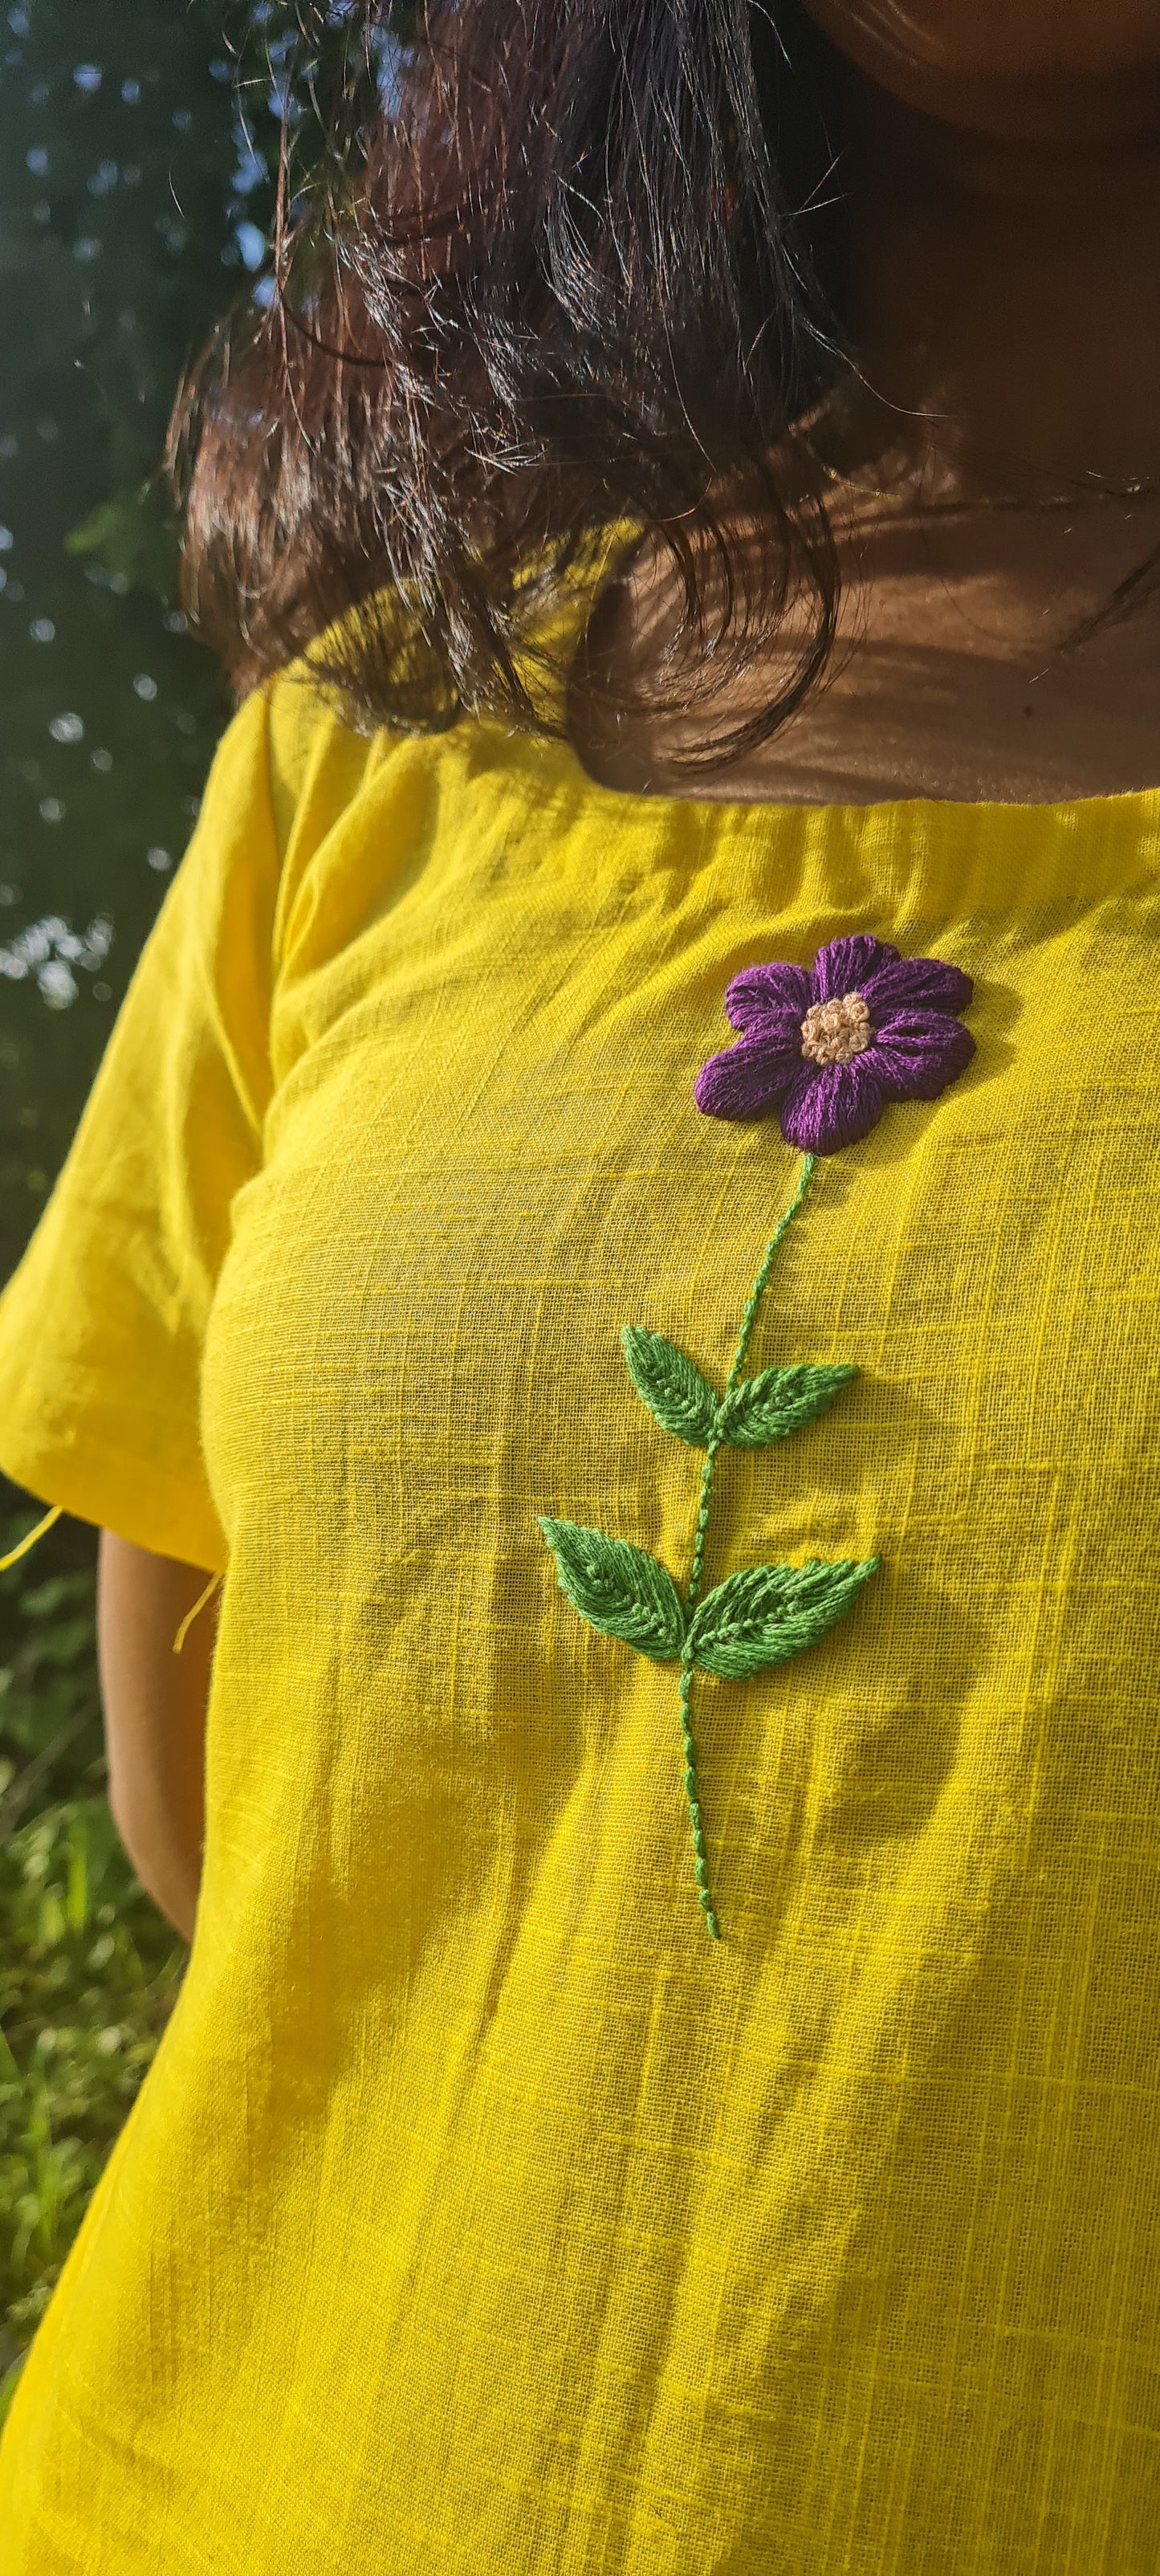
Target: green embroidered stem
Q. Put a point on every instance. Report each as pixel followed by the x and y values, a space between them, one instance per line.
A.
pixel 761 1282
pixel 748 1320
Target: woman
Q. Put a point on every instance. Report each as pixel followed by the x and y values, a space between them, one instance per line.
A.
pixel 618 1219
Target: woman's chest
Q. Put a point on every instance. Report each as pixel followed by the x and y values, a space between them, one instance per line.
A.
pixel 486 1163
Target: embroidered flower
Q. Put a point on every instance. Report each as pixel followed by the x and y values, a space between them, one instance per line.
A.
pixel 831 1048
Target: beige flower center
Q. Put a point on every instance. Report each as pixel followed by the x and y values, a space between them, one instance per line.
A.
pixel 832 1032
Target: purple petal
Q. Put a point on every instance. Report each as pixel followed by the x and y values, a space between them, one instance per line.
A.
pixel 915 1054
pixel 844 965
pixel 758 990
pixel 916 984
pixel 833 1105
pixel 747 1079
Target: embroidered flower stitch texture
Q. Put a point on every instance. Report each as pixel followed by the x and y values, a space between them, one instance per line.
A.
pixel 830 1049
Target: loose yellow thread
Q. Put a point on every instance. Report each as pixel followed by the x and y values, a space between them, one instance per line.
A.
pixel 191 1615
pixel 15 1553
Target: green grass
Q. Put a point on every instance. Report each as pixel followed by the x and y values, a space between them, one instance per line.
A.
pixel 89 1969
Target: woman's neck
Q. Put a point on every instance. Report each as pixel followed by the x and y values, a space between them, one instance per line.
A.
pixel 1005 301
pixel 1006 319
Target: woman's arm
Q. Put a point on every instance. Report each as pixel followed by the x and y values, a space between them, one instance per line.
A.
pixel 155 1704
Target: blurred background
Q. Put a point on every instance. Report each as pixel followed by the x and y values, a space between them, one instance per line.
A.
pixel 138 149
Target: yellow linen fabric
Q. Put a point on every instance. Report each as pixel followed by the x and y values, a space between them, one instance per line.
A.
pixel 479 2215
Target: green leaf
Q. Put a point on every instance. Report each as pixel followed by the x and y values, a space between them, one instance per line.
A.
pixel 618 1589
pixel 672 1388
pixel 780 1400
pixel 770 1612
pixel 131 533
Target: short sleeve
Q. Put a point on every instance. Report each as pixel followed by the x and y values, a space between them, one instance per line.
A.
pixel 102 1324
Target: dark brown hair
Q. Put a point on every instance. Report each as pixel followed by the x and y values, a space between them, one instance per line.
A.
pixel 563 263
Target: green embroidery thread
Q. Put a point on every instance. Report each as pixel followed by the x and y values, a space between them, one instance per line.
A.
pixel 755 1619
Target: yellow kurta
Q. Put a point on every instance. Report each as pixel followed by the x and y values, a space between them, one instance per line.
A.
pixel 479 2213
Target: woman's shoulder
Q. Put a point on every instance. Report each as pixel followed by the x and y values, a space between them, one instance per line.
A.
pixel 314 749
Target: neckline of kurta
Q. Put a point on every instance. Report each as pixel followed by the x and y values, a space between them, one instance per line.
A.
pixel 924 852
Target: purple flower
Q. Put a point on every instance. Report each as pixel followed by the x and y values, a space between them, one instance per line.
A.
pixel 829 1049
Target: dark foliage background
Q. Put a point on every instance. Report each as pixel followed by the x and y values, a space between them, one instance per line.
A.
pixel 137 151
